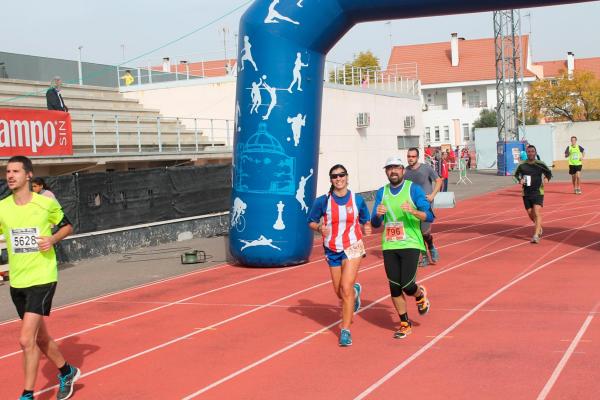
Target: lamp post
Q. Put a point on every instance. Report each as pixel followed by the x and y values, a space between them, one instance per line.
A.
pixel 187 68
pixel 79 66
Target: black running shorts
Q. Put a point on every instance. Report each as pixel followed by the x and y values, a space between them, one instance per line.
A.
pixel 573 169
pixel 34 299
pixel 532 199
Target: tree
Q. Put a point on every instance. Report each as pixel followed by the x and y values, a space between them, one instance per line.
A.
pixel 574 99
pixel 364 66
pixel 487 119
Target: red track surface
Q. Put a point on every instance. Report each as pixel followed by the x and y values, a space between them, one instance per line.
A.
pixel 508 320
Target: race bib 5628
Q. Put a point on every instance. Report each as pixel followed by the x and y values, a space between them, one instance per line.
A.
pixel 24 240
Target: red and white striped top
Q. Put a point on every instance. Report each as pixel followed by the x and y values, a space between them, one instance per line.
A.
pixel 343 224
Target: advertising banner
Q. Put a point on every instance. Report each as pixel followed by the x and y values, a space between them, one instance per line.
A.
pixel 35 133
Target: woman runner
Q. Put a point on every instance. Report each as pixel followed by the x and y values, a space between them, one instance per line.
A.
pixel 343 212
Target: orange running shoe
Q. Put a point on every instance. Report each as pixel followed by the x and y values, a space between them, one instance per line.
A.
pixel 404 330
pixel 423 304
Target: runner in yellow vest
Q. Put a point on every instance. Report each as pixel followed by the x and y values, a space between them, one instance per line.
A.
pixel 575 154
pixel 401 206
pixel 26 219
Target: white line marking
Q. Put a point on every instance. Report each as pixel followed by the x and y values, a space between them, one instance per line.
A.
pixel 423 349
pixel 200 330
pixel 565 358
pixel 283 350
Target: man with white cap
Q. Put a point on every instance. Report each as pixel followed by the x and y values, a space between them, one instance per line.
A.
pixel 401 206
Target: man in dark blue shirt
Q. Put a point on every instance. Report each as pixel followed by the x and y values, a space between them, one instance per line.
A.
pixel 532 174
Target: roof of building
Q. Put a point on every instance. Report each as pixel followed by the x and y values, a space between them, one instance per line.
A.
pixel 552 69
pixel 477 60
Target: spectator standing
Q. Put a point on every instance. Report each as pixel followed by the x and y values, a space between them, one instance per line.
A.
pixel 444 171
pixel 54 100
pixel 39 186
pixel 128 79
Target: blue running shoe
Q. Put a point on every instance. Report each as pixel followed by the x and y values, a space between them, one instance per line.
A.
pixel 424 260
pixel 65 383
pixel 435 255
pixel 345 338
pixel 26 397
pixel 357 292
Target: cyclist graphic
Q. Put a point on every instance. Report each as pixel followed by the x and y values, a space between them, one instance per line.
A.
pixel 237 214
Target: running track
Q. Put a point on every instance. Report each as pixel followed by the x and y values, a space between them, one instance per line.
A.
pixel 509 320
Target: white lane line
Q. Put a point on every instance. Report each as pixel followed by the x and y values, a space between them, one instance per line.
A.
pixel 565 358
pixel 165 305
pixel 426 347
pixel 141 286
pixel 111 323
pixel 291 346
pixel 200 330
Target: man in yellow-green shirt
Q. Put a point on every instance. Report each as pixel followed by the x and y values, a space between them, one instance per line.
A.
pixel 26 220
pixel 575 154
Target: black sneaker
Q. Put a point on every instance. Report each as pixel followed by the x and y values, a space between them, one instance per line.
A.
pixel 65 383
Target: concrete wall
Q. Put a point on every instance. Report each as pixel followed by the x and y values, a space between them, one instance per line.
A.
pixel 362 150
pixel 588 137
pixel 550 141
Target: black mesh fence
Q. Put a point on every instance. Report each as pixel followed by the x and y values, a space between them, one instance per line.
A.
pixel 105 200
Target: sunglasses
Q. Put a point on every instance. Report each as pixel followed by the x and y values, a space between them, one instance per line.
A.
pixel 340 175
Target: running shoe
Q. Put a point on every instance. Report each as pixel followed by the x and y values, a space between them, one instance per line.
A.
pixel 26 397
pixel 357 292
pixel 535 239
pixel 65 383
pixel 435 255
pixel 423 304
pixel 424 260
pixel 404 330
pixel 578 191
pixel 345 338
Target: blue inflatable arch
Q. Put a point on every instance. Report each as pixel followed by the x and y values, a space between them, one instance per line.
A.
pixel 282 45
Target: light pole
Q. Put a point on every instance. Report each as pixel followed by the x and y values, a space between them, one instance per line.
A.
pixel 79 66
pixel 123 50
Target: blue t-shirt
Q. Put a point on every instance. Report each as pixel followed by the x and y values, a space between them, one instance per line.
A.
pixel 319 207
pixel 417 196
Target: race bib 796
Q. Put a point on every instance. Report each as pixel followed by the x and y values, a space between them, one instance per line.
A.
pixel 394 232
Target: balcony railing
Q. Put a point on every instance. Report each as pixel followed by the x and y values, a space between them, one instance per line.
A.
pixel 104 133
pixel 398 78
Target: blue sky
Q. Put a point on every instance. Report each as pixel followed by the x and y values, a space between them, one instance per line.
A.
pixel 56 29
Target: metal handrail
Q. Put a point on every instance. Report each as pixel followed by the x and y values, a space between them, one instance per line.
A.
pixel 115 133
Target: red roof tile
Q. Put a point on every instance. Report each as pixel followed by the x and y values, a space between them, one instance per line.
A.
pixel 552 69
pixel 477 60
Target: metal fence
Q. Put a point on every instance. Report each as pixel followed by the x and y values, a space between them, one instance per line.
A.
pixel 400 78
pixel 97 133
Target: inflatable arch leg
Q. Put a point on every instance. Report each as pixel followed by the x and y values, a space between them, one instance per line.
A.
pixel 282 45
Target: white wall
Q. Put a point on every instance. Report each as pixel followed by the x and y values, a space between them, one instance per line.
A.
pixel 588 137
pixel 362 151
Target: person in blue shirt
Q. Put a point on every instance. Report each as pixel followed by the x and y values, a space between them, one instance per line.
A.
pixel 343 212
pixel 401 207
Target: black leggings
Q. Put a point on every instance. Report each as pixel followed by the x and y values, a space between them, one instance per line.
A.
pixel 401 270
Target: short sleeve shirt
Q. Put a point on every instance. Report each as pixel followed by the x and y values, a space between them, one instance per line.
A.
pixel 424 176
pixel 21 226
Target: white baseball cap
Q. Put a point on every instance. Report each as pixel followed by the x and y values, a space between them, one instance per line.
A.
pixel 394 160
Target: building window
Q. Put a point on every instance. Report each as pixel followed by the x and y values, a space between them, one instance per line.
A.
pixel 466 132
pixel 428 134
pixel 446 133
pixel 406 142
pixel 436 131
